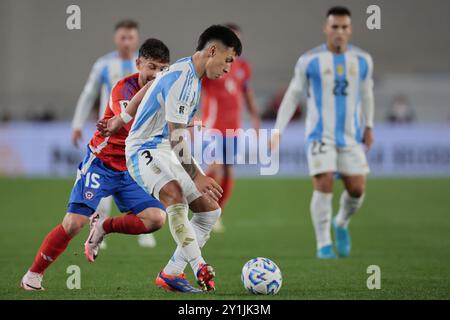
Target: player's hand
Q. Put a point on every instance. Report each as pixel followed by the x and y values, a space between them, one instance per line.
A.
pixel 368 138
pixel 274 142
pixel 77 136
pixel 208 187
pixel 111 126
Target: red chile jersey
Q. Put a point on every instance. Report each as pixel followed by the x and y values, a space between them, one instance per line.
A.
pixel 222 98
pixel 111 150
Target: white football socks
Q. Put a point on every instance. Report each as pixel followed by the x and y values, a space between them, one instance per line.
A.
pixel 321 211
pixel 348 206
pixel 202 222
pixel 104 207
pixel 184 235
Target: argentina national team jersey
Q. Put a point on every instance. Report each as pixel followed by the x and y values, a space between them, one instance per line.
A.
pixel 335 85
pixel 173 97
pixel 105 73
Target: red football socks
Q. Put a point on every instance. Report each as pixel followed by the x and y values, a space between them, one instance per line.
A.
pixel 227 186
pixel 53 245
pixel 128 224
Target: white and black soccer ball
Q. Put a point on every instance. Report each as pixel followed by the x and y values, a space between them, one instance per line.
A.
pixel 261 276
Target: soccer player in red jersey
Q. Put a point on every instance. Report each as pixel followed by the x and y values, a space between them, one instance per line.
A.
pixel 102 173
pixel 222 101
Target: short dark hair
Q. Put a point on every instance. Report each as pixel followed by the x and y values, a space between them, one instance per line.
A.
pixel 339 11
pixel 233 26
pixel 154 49
pixel 220 33
pixel 127 24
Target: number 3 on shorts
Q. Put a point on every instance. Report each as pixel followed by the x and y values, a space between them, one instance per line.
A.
pixel 146 154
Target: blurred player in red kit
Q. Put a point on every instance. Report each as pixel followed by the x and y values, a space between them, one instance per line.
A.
pixel 222 101
pixel 103 173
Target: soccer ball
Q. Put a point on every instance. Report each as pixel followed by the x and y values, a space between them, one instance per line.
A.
pixel 261 276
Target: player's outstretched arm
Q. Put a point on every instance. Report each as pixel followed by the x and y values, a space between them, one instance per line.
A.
pixel 206 185
pixel 251 107
pixel 368 104
pixel 289 103
pixel 111 126
pixel 250 101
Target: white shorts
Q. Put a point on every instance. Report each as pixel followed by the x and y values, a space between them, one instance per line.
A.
pixel 154 168
pixel 349 161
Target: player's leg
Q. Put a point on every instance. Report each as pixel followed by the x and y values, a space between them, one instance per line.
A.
pixel 104 210
pixel 322 164
pixel 351 198
pixel 352 163
pixel 205 216
pixel 171 195
pixel 221 173
pixel 224 175
pixel 145 213
pixel 51 248
pixel 82 204
pixel 147 240
pixel 104 207
pixel 229 158
pixel 321 213
pixel 161 177
pixel 227 185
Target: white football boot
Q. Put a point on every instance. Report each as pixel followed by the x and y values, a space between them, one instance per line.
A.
pixel 92 219
pixel 92 244
pixel 31 281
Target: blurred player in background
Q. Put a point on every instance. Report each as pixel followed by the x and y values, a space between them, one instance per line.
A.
pixel 102 173
pixel 106 71
pixel 337 78
pixel 222 101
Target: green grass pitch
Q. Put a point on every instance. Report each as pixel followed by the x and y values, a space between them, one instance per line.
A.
pixel 403 227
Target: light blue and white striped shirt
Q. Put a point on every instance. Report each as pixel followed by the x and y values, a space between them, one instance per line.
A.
pixel 173 97
pixel 340 95
pixel 106 71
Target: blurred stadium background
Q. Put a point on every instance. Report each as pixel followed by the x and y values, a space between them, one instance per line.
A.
pixel 44 67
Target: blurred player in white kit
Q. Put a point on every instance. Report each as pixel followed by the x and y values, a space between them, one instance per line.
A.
pixel 337 78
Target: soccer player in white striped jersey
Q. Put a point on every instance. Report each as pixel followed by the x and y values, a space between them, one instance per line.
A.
pixel 105 73
pixel 337 78
pixel 160 161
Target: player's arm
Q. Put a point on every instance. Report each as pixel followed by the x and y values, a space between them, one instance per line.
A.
pixel 250 101
pixel 122 117
pixel 290 101
pixel 86 101
pixel 249 96
pixel 367 104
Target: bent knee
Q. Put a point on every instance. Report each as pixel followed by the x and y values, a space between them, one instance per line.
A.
pixel 356 192
pixel 171 193
pixel 73 223
pixel 153 218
